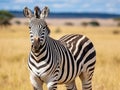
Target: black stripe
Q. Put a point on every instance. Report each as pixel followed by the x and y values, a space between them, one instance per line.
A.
pixel 42 48
pixel 91 74
pixel 90 57
pixel 63 38
pixel 86 49
pixel 91 69
pixel 88 87
pixel 87 84
pixel 69 38
pixel 71 58
pixel 32 64
pixel 52 63
pixel 49 67
pixel 68 65
pixel 63 65
pixel 80 47
pixel 90 65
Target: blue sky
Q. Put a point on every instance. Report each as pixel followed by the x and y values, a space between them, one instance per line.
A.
pixel 104 6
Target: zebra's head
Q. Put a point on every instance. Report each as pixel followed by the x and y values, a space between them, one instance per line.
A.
pixel 37 25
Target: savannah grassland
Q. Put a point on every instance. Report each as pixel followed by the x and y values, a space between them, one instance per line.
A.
pixel 15 46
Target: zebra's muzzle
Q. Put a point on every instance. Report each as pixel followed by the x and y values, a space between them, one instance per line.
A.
pixel 36 45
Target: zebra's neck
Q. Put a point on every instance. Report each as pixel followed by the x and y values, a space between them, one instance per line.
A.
pixel 46 58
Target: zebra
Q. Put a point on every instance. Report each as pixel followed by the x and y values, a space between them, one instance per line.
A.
pixel 58 61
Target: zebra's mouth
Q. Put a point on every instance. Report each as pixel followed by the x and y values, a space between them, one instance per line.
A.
pixel 35 46
pixel 35 49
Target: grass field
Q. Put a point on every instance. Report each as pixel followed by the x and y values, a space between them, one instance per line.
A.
pixel 15 46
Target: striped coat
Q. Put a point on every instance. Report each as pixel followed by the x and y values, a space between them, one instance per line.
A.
pixel 58 61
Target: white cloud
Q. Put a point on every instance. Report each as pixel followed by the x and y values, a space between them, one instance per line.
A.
pixel 47 0
pixel 86 5
pixel 24 1
pixel 111 10
pixel 109 5
pixel 65 5
pixel 73 1
pixel 63 1
pixel 61 5
pixel 16 7
pixel 6 7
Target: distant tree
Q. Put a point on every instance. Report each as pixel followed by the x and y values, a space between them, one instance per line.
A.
pixel 5 17
pixel 116 19
pixel 118 24
pixel 94 23
pixel 18 22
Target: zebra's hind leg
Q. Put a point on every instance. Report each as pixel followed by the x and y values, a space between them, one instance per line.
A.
pixel 86 80
pixel 71 86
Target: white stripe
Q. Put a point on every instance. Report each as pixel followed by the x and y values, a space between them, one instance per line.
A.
pixel 84 45
pixel 78 42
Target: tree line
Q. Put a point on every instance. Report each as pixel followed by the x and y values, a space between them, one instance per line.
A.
pixel 5 18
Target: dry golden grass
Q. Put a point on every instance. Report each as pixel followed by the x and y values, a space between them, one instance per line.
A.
pixel 15 46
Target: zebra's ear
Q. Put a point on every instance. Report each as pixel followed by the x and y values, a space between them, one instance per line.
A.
pixel 27 12
pixel 44 13
pixel 37 12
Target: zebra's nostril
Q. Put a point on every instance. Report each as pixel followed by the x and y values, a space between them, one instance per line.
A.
pixel 35 47
pixel 32 45
pixel 38 39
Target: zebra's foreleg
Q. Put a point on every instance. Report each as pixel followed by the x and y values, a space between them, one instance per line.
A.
pixel 34 88
pixel 36 82
pixel 71 86
pixel 86 81
pixel 52 85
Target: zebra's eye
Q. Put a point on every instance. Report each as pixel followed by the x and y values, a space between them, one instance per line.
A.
pixel 39 26
pixel 43 27
pixel 29 27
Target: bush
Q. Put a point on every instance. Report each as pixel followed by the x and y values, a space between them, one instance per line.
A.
pixel 118 24
pixel 116 32
pixel 117 19
pixel 17 22
pixel 5 17
pixel 69 24
pixel 94 23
